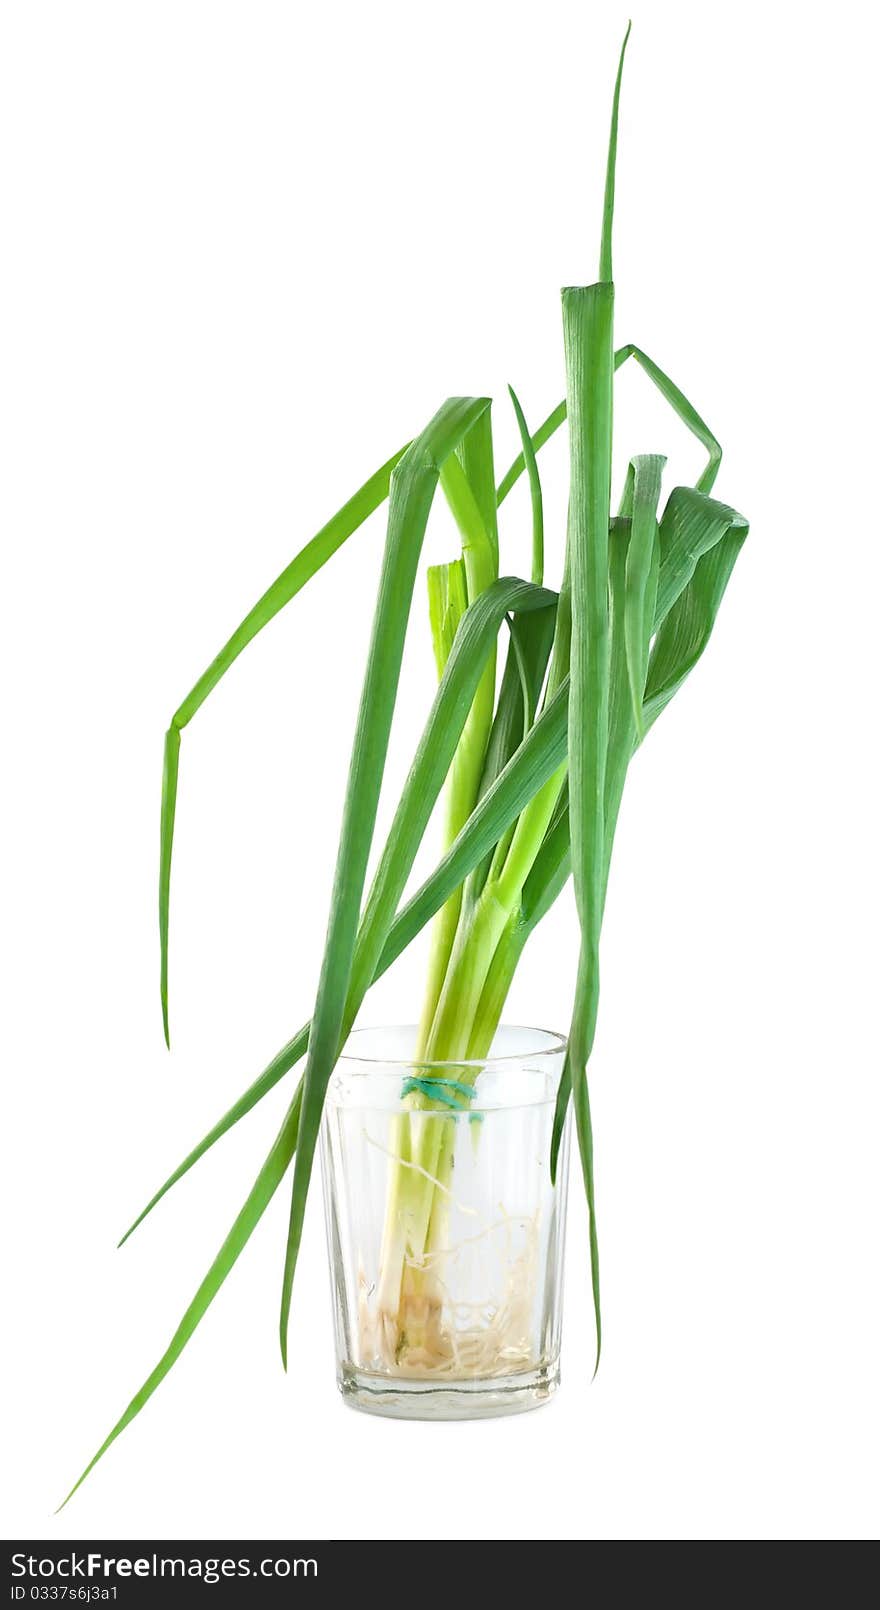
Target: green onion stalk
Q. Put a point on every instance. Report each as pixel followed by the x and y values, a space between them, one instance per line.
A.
pixel 531 773
pixel 477 941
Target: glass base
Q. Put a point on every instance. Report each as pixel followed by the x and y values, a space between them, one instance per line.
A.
pixel 406 1399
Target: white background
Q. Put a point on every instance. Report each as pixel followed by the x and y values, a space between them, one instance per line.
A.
pixel 248 250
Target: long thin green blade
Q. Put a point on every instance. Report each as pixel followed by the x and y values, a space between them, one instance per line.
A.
pixel 641 576
pixel 260 1087
pixel 605 272
pixel 170 770
pixel 621 742
pixel 684 409
pixel 308 561
pixel 531 464
pixel 543 434
pixel 266 1184
pixel 623 724
pixel 587 326
pixel 588 331
pixel 588 314
pixel 412 490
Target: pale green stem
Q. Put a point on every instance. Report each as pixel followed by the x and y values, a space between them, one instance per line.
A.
pixel 488 1016
pixel 479 553
pixel 497 987
pixel 461 797
pixel 475 986
pixel 407 1190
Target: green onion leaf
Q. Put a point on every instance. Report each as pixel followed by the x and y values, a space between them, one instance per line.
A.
pixel 308 561
pixel 642 565
pixel 531 464
pixel 412 490
pixel 588 314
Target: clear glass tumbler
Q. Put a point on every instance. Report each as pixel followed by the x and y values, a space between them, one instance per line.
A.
pixel 445 1232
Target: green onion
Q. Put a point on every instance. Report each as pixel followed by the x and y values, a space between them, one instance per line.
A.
pixel 532 776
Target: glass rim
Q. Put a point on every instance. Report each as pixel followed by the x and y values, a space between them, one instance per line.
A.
pixel 350 1060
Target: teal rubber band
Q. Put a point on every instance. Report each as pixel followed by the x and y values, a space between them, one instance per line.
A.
pixel 434 1089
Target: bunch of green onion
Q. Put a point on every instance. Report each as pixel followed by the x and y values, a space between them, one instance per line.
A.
pixel 533 777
